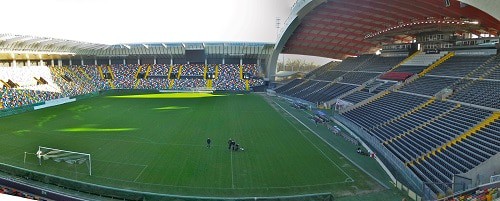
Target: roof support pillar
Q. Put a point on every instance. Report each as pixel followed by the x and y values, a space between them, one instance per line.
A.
pixel 223 60
pixel 52 62
pixel 206 61
pixel 154 61
pixel 70 62
pixel 171 61
pixel 59 62
pixel 138 61
pixel 241 61
pixel 28 62
pixel 109 61
pixel 82 62
pixel 124 62
pixel 14 63
pixel 95 61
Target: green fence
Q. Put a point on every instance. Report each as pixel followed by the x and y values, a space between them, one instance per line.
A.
pixel 18 110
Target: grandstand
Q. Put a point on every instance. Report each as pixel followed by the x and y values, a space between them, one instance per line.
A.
pixel 418 85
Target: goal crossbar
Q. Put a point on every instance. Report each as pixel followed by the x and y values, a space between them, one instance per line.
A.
pixel 59 155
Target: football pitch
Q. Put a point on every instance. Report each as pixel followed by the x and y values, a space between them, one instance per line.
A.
pixel 156 142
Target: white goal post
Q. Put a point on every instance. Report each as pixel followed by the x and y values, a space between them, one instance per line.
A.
pixel 58 155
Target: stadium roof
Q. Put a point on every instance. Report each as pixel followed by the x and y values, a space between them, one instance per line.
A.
pixel 43 46
pixel 341 28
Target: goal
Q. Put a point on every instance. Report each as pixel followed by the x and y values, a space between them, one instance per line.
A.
pixel 58 155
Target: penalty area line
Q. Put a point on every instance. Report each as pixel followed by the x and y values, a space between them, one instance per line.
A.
pixel 144 168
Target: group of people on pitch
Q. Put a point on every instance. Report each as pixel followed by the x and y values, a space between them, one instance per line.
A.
pixel 232 145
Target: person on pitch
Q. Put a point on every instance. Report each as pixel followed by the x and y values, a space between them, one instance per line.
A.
pixel 230 143
pixel 209 141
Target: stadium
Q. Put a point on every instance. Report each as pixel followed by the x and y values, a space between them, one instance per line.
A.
pixel 408 109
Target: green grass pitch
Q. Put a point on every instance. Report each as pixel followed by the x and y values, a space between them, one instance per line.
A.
pixel 157 143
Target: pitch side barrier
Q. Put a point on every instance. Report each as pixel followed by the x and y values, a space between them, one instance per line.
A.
pixel 398 168
pixel 26 108
pixel 36 183
pixel 18 110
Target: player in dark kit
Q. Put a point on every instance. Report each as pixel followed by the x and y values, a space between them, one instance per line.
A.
pixel 233 144
pixel 208 142
pixel 229 144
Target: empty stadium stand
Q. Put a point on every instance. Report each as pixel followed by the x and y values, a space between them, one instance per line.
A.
pixel 435 139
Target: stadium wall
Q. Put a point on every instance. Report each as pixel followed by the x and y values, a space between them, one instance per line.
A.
pixel 18 110
pixel 482 173
pixel 402 173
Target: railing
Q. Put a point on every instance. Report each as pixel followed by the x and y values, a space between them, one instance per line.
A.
pixel 69 187
pixel 406 174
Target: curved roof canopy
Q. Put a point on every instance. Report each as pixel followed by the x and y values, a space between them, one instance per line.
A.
pixel 341 28
pixel 21 47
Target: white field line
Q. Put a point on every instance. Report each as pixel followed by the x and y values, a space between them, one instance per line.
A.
pixel 348 176
pixel 140 173
pixel 232 172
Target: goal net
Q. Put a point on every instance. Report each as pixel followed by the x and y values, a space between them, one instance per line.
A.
pixel 58 155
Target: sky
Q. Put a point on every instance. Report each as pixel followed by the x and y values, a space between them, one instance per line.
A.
pixel 125 21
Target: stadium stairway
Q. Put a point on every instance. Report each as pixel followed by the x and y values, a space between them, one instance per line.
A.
pixel 321 88
pixel 423 125
pixel 170 72
pixel 66 69
pixel 247 85
pixel 148 70
pixel 483 68
pixel 209 83
pixel 437 63
pixel 366 101
pixel 138 70
pixel 298 85
pixel 137 82
pixel 179 72
pixel 492 118
pixel 305 89
pixel 100 72
pixel 405 60
pixel 348 93
pixel 380 94
pixel 216 72
pixel 419 107
pixel 170 83
pixel 205 70
pixel 84 73
pixel 111 84
pixel 241 72
pixel 111 72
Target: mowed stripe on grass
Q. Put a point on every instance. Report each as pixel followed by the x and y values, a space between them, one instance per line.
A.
pixel 135 145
